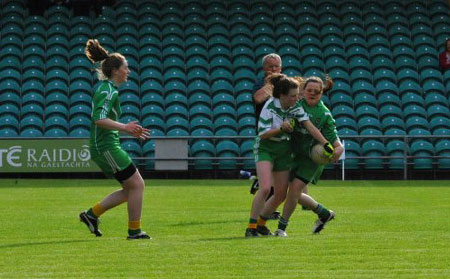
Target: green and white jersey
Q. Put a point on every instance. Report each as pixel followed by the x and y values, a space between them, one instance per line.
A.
pixel 105 104
pixel 321 117
pixel 272 116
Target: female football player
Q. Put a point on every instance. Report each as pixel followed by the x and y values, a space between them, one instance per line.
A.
pixel 273 151
pixel 305 170
pixel 105 147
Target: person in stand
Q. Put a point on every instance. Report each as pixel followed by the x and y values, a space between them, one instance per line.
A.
pixel 104 143
pixel 272 149
pixel 444 57
pixel 305 171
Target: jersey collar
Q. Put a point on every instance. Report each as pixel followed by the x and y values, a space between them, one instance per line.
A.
pixel 112 83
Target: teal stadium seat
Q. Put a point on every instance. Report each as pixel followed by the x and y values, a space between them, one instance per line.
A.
pixel 439 123
pixel 390 110
pixel 396 148
pixel 9 123
pixel 31 122
pixel 202 149
pixel 200 110
pixel 414 111
pixel 393 122
pixel 422 148
pixel 56 122
pixel 176 110
pixel 438 111
pixel 366 110
pixel 352 149
pixel 224 110
pixel 227 148
pixel 389 99
pixel 245 110
pixel 343 110
pixel 33 98
pixel 80 122
pixel 442 148
pixel 77 110
pixel 416 122
pixel 201 122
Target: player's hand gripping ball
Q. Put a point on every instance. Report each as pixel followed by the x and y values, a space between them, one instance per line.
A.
pixel 320 156
pixel 292 122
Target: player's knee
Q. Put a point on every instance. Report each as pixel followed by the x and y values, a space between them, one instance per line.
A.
pixel 279 197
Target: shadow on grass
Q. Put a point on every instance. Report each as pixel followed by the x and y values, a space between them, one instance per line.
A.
pixel 16 245
pixel 201 223
pixel 225 238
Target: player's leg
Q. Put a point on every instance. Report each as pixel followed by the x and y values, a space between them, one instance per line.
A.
pixel 91 216
pixel 280 181
pixel 264 172
pixel 295 189
pixel 305 191
pixel 134 185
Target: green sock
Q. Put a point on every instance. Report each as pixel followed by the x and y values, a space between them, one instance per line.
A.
pixel 90 213
pixel 134 232
pixel 282 224
pixel 322 211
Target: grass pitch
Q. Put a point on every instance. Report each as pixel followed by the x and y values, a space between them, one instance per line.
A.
pixel 383 229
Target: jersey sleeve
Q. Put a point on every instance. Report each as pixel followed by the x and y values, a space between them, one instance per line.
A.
pixel 300 114
pixel 265 120
pixel 103 104
pixel 329 130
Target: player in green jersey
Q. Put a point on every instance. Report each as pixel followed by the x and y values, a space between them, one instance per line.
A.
pixel 272 149
pixel 305 170
pixel 105 146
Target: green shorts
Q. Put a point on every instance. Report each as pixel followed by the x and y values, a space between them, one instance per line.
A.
pixel 279 153
pixel 306 170
pixel 111 161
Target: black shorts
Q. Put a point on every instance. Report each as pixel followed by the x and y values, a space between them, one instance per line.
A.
pixel 126 173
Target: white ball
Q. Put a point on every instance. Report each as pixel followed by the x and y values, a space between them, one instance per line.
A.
pixel 317 155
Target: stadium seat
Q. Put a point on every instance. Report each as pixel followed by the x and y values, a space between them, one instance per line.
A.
pixel 396 148
pixel 422 148
pixel 388 99
pixel 56 122
pixel 199 98
pixel 373 148
pixel 439 123
pixel 364 98
pixel 203 148
pixel 176 99
pixel 363 87
pixel 78 110
pixel 366 110
pixel 346 122
pixel 393 122
pixel 176 110
pixel 227 148
pixel 352 149
pixel 390 110
pixel 81 121
pixel 223 110
pixel 442 148
pixel 438 111
pixel 200 110
pixel 413 110
pixel 31 121
pixel 416 122
pixel 201 122
pixel 343 110
pixel 30 133
pixel 223 99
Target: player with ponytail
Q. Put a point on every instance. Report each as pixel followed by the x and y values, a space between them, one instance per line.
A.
pixel 104 144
